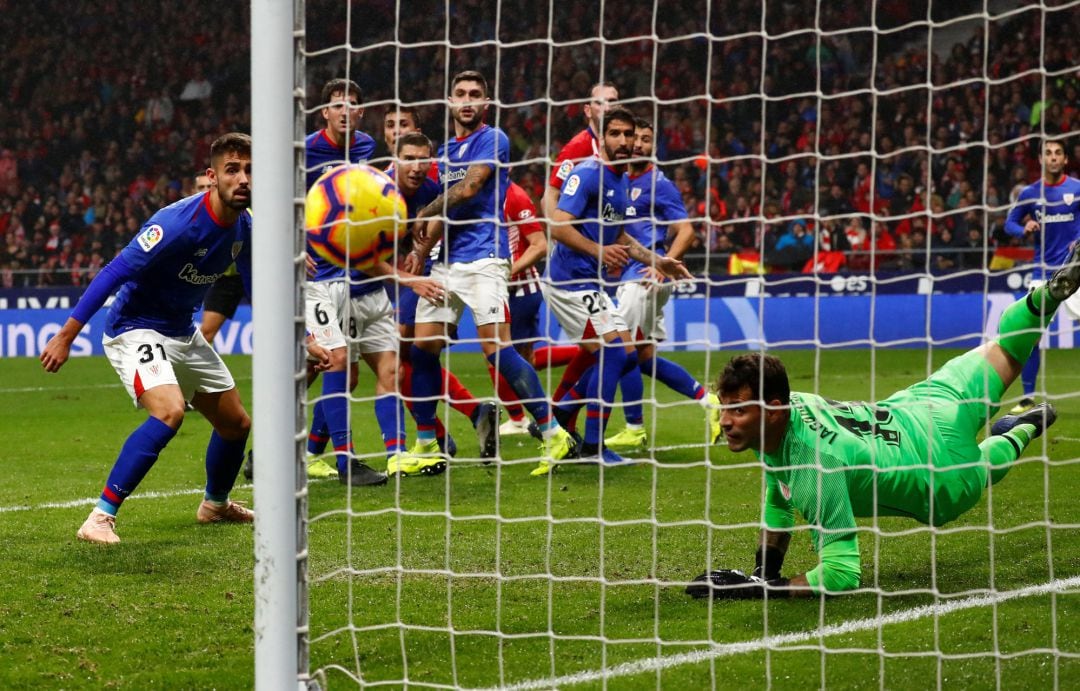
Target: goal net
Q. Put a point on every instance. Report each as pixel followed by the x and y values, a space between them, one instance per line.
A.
pixel 847 171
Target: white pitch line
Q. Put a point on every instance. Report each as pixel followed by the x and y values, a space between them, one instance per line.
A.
pixel 90 501
pixel 653 664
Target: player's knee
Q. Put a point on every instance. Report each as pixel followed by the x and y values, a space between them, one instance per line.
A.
pixel 339 359
pixel 236 427
pixel 171 413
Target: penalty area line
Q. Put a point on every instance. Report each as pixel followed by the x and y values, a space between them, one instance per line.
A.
pixel 654 664
pixel 90 501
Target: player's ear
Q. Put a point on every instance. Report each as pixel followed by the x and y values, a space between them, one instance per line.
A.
pixel 776 411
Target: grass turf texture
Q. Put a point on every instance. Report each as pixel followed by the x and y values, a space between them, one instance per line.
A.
pixel 470 551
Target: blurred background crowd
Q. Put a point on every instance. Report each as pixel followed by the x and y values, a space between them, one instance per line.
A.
pixel 800 136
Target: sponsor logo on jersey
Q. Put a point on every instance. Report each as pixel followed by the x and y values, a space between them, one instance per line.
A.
pixel 525 214
pixel 452 176
pixel 149 238
pixel 565 169
pixel 191 275
pixel 1055 218
pixel 635 193
pixel 570 188
pixel 610 214
pixel 631 211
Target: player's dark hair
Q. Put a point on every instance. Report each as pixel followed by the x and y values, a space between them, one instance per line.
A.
pixel 232 143
pixel 1060 141
pixel 345 86
pixel 469 76
pixel 412 139
pixel 643 124
pixel 411 110
pixel 763 374
pixel 620 114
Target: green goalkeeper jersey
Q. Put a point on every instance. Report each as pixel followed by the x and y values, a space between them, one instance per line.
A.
pixel 839 461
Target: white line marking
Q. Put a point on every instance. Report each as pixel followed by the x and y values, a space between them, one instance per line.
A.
pixel 646 665
pixel 90 501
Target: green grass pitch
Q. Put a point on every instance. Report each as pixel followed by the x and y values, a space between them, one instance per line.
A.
pixel 485 577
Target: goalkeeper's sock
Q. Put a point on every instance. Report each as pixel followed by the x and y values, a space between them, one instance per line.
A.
pixel 523 379
pixel 461 399
pixel 1002 450
pixel 319 436
pixel 137 456
pixel 223 460
pixel 336 408
pixel 390 414
pixel 507 396
pixel 1030 373
pixel 426 384
pixel 554 356
pixel 674 376
pixel 1022 323
pixel 577 368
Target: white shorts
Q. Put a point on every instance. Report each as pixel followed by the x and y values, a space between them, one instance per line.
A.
pixel 324 308
pixel 145 359
pixel 480 285
pixel 641 307
pixel 1071 305
pixel 583 314
pixel 372 328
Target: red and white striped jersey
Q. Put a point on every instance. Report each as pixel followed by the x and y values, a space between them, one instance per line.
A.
pixel 520 213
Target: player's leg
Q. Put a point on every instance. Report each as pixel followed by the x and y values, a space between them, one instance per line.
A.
pixel 631 301
pixel 554 356
pixel 1029 376
pixel 377 341
pixel 524 331
pixel 224 455
pixel 678 379
pixel 141 360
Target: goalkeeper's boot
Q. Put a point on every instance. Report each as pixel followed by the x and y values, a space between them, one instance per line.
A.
pixel 429 461
pixel 1066 280
pixel 402 464
pixel 318 468
pixel 1040 416
pixel 629 440
pixel 555 448
pixel 228 512
pixel 715 432
pixel 99 527
pixel 359 474
pixel 249 466
pixel 1022 406
pixel 487 429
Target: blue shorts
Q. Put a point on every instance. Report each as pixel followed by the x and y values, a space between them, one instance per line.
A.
pixel 525 318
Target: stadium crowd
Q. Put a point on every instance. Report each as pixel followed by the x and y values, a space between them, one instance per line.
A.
pixel 916 174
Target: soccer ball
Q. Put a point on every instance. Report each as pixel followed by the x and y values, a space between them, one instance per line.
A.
pixel 354 215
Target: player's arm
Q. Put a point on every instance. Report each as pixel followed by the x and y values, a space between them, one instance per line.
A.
pixel 681 234
pixel 115 274
pixel 550 201
pixel 563 231
pixel 536 250
pixel 1024 208
pixel 476 176
pixel 668 266
pixel 425 235
pixel 425 287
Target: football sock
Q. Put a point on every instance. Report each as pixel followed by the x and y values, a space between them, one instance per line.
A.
pixel 674 376
pixel 390 414
pixel 425 389
pixel 1030 374
pixel 633 391
pixel 1002 450
pixel 524 381
pixel 1022 323
pixel 611 366
pixel 581 363
pixel 554 356
pixel 136 457
pixel 319 435
pixel 336 409
pixel 461 399
pixel 223 460
pixel 507 396
pixel 567 408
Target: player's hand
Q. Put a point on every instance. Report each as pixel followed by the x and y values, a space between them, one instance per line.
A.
pixel 309 265
pixel 55 353
pixel 732 584
pixel 652 276
pixel 317 355
pixel 672 268
pixel 614 255
pixel 413 263
pixel 1031 226
pixel 430 290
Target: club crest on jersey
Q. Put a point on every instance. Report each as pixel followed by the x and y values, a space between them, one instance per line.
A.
pixel 1068 197
pixel 149 238
pixel 236 248
pixel 570 188
pixel 635 193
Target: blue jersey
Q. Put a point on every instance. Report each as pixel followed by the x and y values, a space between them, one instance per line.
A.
pixel 475 230
pixel 595 195
pixel 321 155
pixel 653 203
pixel 176 257
pixel 1057 209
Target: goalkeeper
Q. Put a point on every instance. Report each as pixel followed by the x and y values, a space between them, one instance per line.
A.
pixel 913 454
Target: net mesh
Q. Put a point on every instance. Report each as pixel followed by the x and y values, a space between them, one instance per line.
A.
pixel 865 156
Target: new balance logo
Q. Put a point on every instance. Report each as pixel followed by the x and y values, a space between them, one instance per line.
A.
pixel 493 310
pixel 201 252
